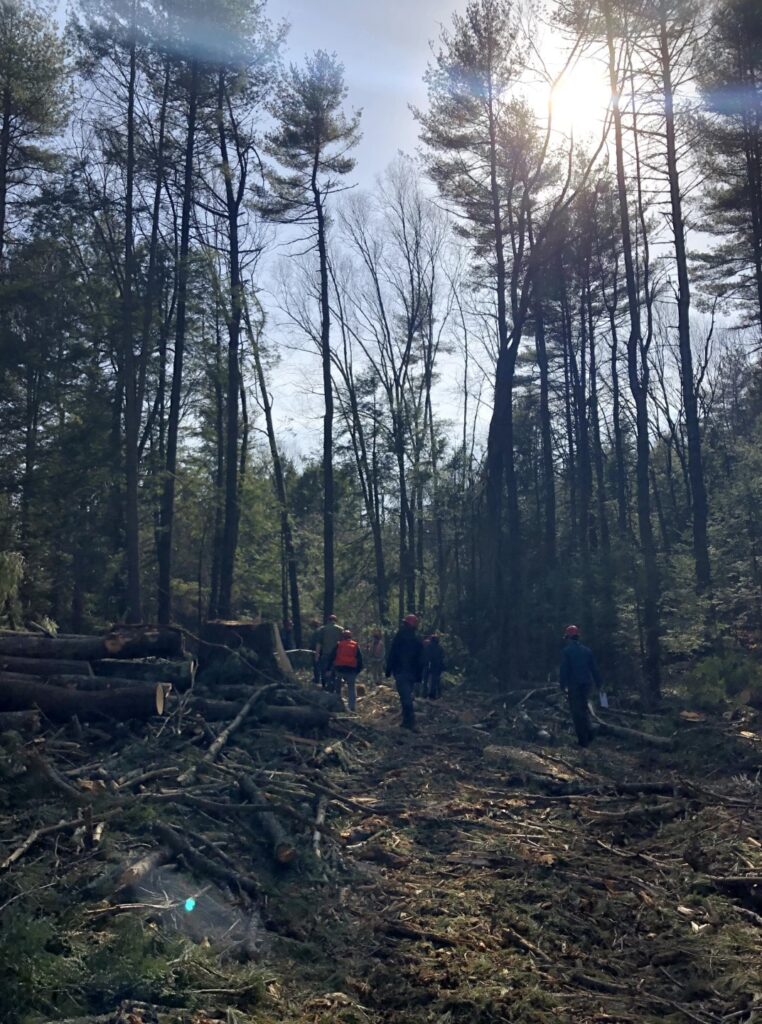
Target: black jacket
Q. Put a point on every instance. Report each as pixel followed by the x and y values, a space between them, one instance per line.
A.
pixel 578 668
pixel 406 654
pixel 433 657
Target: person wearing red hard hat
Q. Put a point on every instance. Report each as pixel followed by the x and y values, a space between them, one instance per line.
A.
pixel 578 673
pixel 405 663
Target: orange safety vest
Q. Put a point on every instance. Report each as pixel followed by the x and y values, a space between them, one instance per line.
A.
pixel 346 654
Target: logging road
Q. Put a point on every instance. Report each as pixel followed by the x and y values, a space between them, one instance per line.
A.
pixel 494 879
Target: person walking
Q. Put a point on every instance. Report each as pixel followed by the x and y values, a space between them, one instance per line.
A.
pixel 376 656
pixel 314 642
pixel 328 638
pixel 405 663
pixel 346 664
pixel 578 673
pixel 287 635
pixel 433 667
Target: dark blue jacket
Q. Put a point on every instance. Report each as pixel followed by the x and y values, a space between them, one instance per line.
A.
pixel 406 654
pixel 578 668
pixel 433 657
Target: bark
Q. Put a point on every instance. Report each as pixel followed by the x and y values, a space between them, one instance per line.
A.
pixel 282 846
pixel 180 673
pixel 167 509
pixel 231 517
pixel 699 506
pixel 616 417
pixel 637 371
pixel 59 705
pixel 220 638
pixel 546 434
pixel 329 497
pixel 121 642
pixel 45 666
pixel 131 408
pixel 5 147
pixel 280 489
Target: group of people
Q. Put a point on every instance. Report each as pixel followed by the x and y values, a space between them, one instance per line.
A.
pixel 416 664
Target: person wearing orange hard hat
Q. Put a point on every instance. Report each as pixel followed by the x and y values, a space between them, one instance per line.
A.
pixel 578 673
pixel 405 663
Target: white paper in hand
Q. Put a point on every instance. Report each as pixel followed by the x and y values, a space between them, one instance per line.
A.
pixel 603 698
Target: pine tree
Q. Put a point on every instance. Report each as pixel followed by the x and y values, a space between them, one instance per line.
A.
pixel 311 143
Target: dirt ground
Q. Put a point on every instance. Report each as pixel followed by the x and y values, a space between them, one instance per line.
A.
pixel 466 873
pixel 483 888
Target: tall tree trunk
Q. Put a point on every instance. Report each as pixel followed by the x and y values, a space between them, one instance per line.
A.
pixel 231 515
pixel 501 422
pixel 131 408
pixel 289 551
pixel 546 437
pixel 699 505
pixel 638 378
pixel 597 447
pixel 167 510
pixel 5 147
pixel 219 471
pixel 616 418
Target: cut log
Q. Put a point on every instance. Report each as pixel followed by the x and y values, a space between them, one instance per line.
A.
pixel 90 684
pixel 216 710
pixel 180 673
pixel 121 642
pixel 295 718
pixel 292 717
pixel 20 721
pixel 59 704
pixel 281 847
pixel 219 638
pixel 139 869
pixel 44 666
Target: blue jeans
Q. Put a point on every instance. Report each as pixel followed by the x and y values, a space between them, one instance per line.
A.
pixel 348 676
pixel 405 688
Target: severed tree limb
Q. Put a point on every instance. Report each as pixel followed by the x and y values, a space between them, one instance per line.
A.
pixel 320 813
pixel 283 849
pixel 20 721
pixel 35 836
pixel 40 833
pixel 38 764
pixel 664 742
pixel 202 865
pixel 226 733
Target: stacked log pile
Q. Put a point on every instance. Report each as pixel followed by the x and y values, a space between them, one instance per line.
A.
pixel 126 674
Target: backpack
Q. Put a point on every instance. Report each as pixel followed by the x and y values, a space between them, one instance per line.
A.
pixel 346 654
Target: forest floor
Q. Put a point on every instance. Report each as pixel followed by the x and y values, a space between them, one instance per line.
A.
pixel 465 875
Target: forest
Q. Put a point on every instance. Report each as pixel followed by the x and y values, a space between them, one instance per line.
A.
pixel 510 383
pixel 530 357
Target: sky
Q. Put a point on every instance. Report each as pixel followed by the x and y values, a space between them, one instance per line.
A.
pixel 384 46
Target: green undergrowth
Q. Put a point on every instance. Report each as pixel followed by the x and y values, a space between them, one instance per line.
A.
pixel 62 966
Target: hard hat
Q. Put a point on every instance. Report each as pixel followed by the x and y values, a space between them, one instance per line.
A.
pixel 411 620
pixel 571 631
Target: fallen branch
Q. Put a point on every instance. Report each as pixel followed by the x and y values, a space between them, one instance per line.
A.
pixel 204 865
pixel 20 721
pixel 320 813
pixel 226 733
pixel 664 742
pixel 281 846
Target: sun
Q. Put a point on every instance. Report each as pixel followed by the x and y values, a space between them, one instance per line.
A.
pixel 580 100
